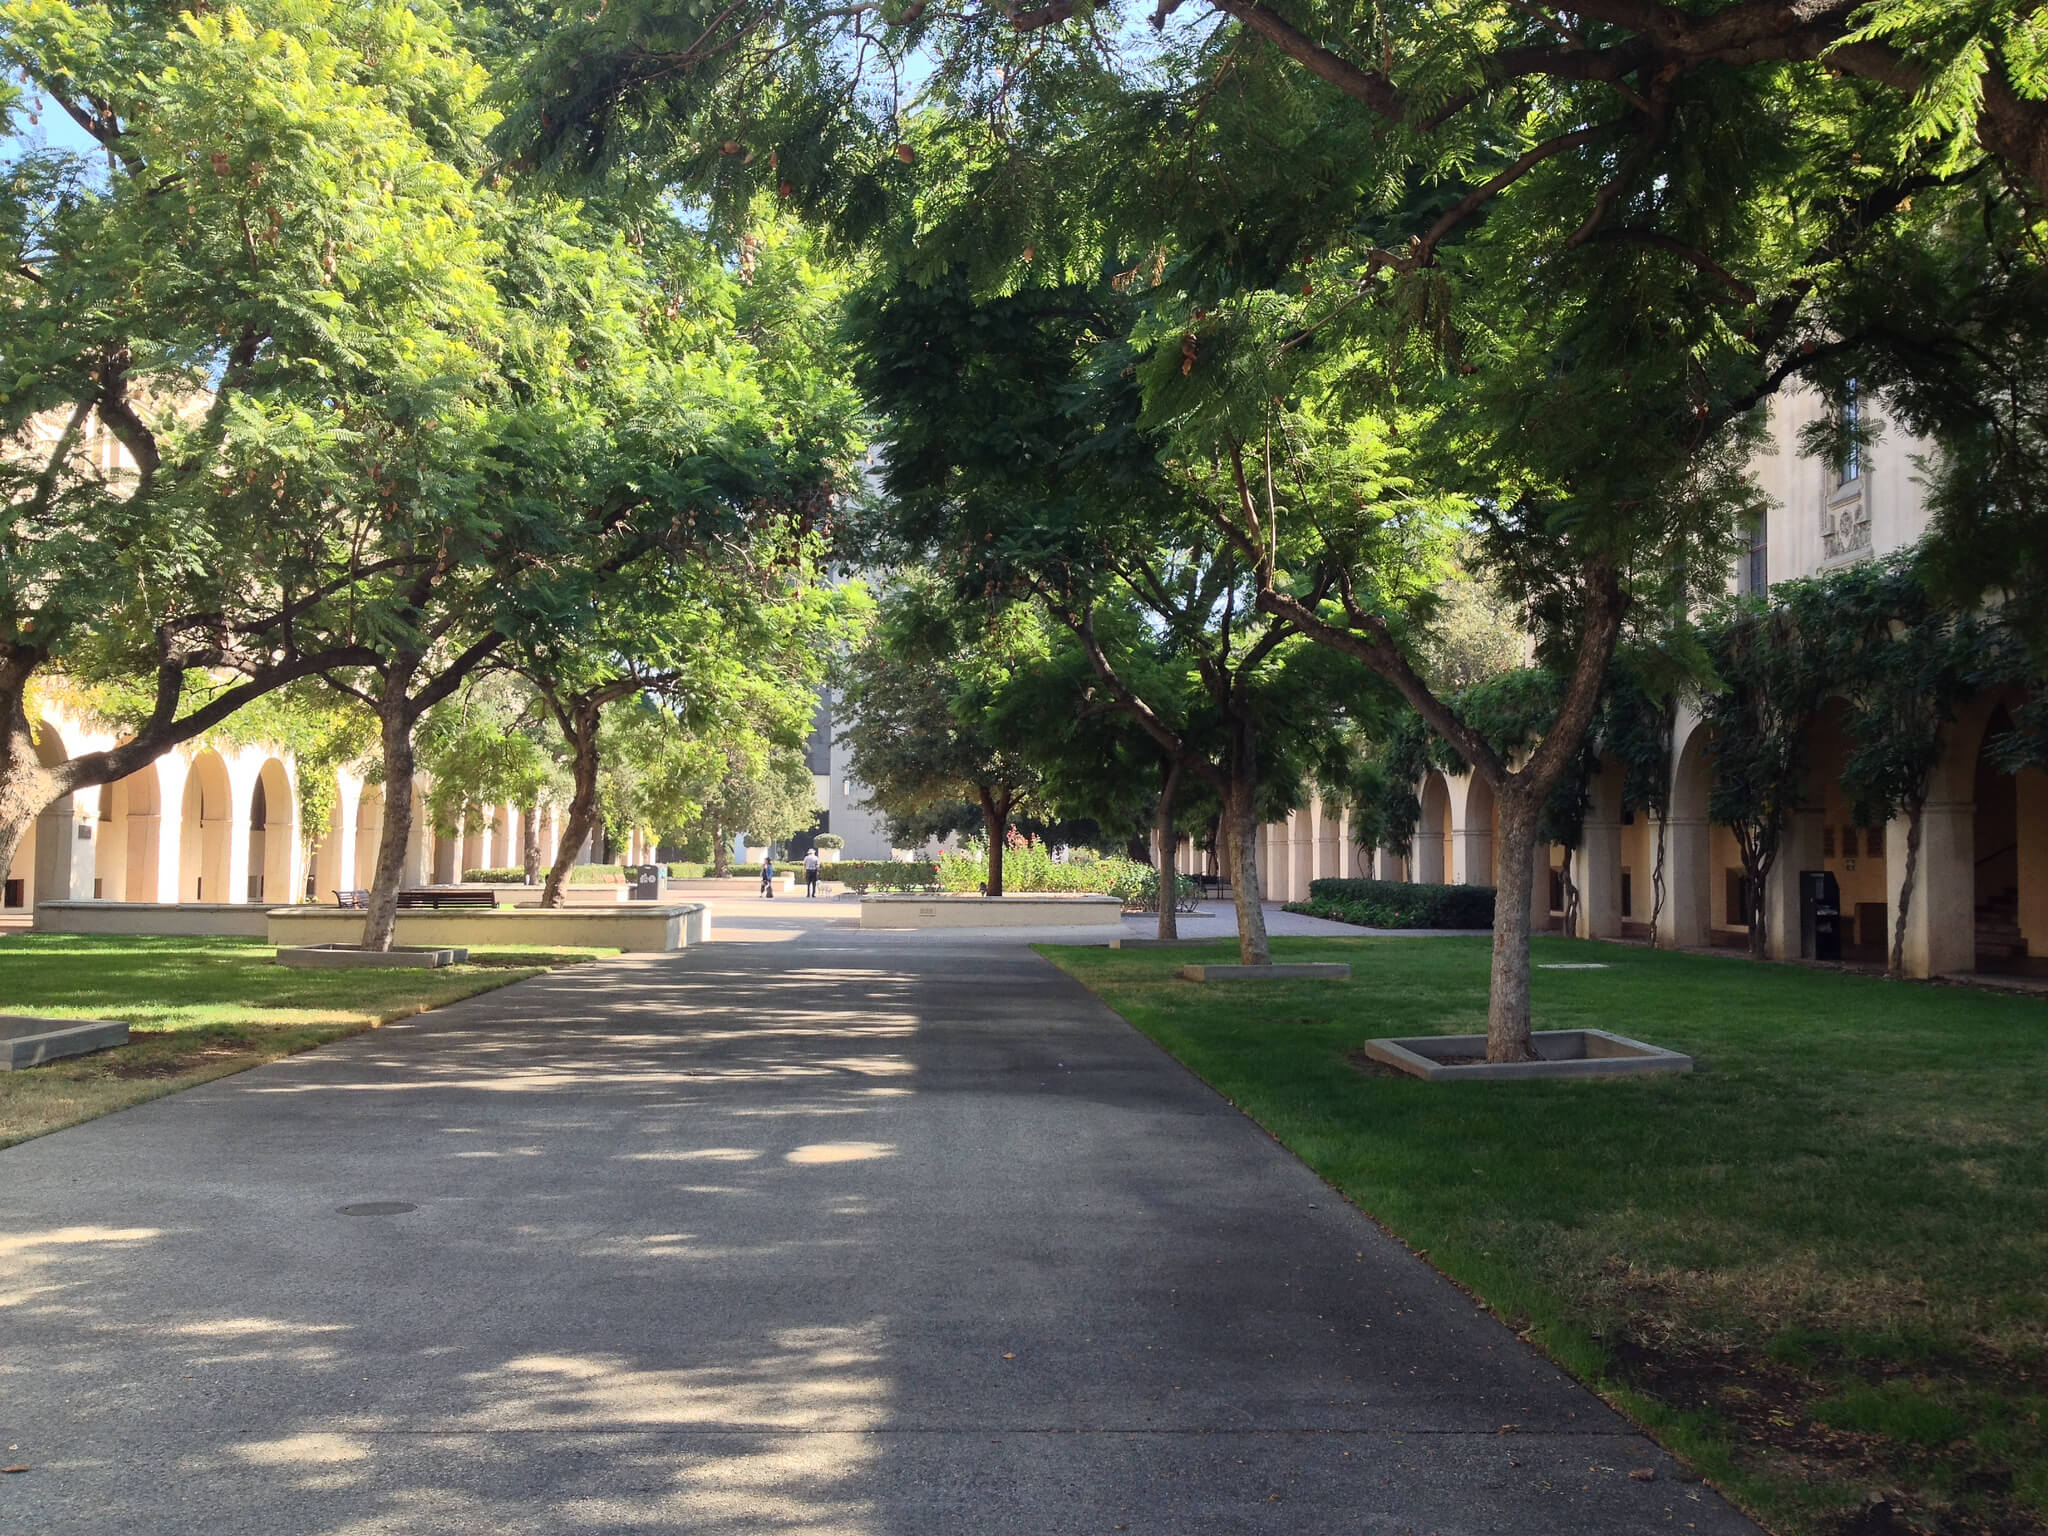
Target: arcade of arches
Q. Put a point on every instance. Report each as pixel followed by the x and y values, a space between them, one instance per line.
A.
pixel 1980 900
pixel 219 824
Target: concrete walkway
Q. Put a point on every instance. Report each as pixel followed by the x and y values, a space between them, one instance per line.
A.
pixel 848 1233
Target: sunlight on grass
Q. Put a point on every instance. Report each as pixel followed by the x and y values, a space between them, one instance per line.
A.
pixel 202 1008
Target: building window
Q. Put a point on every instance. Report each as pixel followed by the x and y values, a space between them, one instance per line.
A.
pixel 1753 575
pixel 1848 417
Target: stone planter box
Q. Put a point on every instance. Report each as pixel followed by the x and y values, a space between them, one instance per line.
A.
pixel 29 1042
pixel 157 919
pixel 639 926
pixel 349 957
pixel 1299 971
pixel 1561 1053
pixel 990 912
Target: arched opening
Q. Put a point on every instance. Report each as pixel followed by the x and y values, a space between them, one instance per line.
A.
pixel 1693 851
pixel 369 834
pixel 205 831
pixel 273 834
pixel 1433 843
pixel 1479 864
pixel 2010 828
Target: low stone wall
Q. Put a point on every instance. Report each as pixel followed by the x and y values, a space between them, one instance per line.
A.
pixel 156 919
pixel 641 926
pixel 986 912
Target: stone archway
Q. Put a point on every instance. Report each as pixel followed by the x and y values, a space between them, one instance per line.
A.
pixel 2009 859
pixel 369 814
pixel 1433 861
pixel 1686 919
pixel 206 831
pixel 273 834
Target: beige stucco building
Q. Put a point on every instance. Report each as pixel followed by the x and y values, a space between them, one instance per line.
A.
pixel 1981 896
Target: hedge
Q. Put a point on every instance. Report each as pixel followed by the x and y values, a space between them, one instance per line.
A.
pixel 1397 904
pixel 579 874
pixel 881 874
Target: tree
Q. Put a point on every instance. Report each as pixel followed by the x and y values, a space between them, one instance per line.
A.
pixel 1018 469
pixel 274 265
pixel 1905 664
pixel 922 736
pixel 1771 676
pixel 486 746
pixel 1508 240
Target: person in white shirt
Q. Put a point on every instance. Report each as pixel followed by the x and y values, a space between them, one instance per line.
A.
pixel 811 863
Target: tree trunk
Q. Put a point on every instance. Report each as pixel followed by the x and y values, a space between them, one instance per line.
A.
pixel 1571 895
pixel 27 787
pixel 395 721
pixel 997 822
pixel 1241 813
pixel 1507 1003
pixel 1169 857
pixel 1758 939
pixel 529 849
pixel 721 851
pixel 1897 968
pixel 1657 883
pixel 582 805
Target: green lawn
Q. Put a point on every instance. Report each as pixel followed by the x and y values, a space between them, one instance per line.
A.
pixel 202 1008
pixel 1817 1267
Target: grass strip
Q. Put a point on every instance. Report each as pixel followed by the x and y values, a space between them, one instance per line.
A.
pixel 202 1008
pixel 1817 1268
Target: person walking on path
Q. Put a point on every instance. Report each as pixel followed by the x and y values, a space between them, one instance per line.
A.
pixel 811 863
pixel 768 876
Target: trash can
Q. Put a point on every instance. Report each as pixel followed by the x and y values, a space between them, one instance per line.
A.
pixel 1820 915
pixel 646 882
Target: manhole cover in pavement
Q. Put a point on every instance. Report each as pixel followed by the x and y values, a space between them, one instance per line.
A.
pixel 377 1208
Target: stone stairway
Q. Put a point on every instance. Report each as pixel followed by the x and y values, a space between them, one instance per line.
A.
pixel 1999 939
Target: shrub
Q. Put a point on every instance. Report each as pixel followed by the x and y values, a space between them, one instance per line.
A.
pixel 828 840
pixel 687 871
pixel 1140 890
pixel 884 875
pixel 1031 870
pixel 579 874
pixel 1396 904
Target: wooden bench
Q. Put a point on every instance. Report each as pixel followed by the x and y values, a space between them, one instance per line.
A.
pixel 355 899
pixel 487 900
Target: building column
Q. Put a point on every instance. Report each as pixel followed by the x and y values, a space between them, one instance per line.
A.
pixel 1472 855
pixel 1941 919
pixel 1688 884
pixel 1799 850
pixel 1596 867
pixel 241 793
pixel 65 847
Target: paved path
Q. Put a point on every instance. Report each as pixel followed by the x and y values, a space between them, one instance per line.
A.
pixel 844 1234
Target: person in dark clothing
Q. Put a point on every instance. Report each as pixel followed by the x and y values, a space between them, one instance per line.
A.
pixel 768 876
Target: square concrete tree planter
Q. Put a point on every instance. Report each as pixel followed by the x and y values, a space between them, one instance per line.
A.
pixel 29 1042
pixel 1559 1052
pixel 353 957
